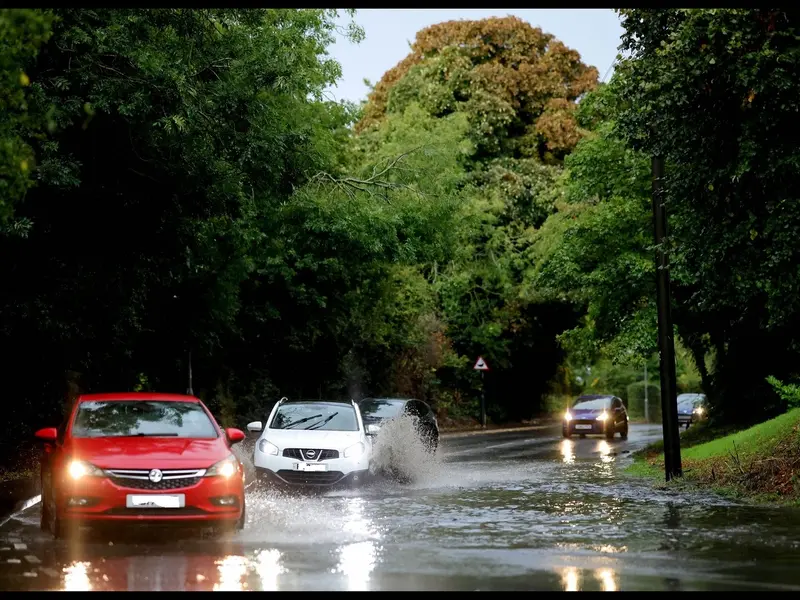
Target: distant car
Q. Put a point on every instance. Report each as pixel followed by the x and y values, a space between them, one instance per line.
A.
pixel 138 457
pixel 691 408
pixel 312 443
pixel 376 411
pixel 596 415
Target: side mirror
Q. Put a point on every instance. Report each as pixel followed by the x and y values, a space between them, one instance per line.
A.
pixel 48 434
pixel 234 435
pixel 373 429
pixel 255 426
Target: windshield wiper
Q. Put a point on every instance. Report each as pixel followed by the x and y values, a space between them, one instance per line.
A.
pixel 315 426
pixel 299 421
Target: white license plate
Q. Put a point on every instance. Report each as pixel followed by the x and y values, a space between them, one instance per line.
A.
pixel 312 467
pixel 156 501
pixel 583 426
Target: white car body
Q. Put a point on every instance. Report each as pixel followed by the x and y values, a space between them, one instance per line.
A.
pixel 311 458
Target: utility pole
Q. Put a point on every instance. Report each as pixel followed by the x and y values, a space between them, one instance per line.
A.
pixel 646 400
pixel 189 390
pixel 666 344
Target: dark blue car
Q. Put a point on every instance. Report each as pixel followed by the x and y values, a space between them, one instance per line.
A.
pixel 593 415
pixel 691 408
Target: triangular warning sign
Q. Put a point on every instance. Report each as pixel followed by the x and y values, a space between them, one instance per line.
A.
pixel 480 365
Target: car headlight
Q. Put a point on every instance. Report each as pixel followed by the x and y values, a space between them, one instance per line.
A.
pixel 698 410
pixel 568 416
pixel 78 469
pixel 227 467
pixel 603 417
pixel 266 447
pixel 354 450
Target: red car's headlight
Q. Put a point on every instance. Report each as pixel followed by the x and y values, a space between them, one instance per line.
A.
pixel 227 467
pixel 78 469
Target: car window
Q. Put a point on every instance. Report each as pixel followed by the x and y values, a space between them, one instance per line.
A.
pixel 591 403
pixel 380 409
pixel 123 418
pixel 413 409
pixel 322 416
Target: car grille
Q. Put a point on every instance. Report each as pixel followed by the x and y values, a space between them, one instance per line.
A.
pixel 309 478
pixel 171 479
pixel 302 454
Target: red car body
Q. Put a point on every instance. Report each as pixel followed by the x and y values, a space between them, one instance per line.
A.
pixel 93 478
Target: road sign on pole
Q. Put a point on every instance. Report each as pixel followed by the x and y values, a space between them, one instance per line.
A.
pixel 480 365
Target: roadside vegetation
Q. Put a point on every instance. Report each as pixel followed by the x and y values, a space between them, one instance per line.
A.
pixel 760 463
pixel 177 188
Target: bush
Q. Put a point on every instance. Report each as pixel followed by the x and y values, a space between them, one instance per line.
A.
pixel 789 393
pixel 635 393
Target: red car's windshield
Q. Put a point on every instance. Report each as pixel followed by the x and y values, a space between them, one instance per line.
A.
pixel 120 418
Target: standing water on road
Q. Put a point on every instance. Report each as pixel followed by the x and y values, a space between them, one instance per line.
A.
pixel 507 511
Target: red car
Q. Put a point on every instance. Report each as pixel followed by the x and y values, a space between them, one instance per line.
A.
pixel 137 457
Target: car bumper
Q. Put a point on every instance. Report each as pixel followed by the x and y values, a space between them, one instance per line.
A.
pixel 98 499
pixel 284 470
pixel 289 478
pixel 585 427
pixel 685 419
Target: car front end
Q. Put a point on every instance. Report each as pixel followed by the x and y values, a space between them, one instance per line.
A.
pixel 312 461
pixel 585 422
pixel 154 491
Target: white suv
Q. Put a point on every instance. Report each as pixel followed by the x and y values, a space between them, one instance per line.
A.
pixel 312 443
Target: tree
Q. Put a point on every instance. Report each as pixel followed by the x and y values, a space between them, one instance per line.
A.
pixel 517 84
pixel 712 92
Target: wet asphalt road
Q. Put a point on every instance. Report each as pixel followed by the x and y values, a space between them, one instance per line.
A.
pixel 505 511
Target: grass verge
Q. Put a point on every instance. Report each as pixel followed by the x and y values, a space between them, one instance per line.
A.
pixel 761 463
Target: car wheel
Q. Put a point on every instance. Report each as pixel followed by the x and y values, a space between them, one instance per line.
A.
pixel 624 433
pixel 610 431
pixel 566 433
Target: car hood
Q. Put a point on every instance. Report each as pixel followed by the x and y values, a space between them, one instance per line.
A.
pixel 585 413
pixel 148 453
pixel 301 438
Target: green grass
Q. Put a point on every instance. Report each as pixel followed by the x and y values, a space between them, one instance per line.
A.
pixel 761 463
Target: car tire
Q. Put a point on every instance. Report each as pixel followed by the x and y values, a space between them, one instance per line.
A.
pixel 566 433
pixel 610 431
pixel 624 433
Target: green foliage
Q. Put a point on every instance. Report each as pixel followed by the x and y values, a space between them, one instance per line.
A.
pixel 636 404
pixel 789 393
pixel 712 91
pixel 22 33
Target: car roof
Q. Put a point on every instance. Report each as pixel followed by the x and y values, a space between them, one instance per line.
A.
pixel 134 396
pixel 315 401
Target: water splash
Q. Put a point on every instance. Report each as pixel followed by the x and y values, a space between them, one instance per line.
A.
pixel 399 452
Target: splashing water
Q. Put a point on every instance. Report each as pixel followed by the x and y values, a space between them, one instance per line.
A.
pixel 399 452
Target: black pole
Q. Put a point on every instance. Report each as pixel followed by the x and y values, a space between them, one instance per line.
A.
pixel 666 344
pixel 483 400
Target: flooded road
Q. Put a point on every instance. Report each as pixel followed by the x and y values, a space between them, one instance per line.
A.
pixel 506 511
